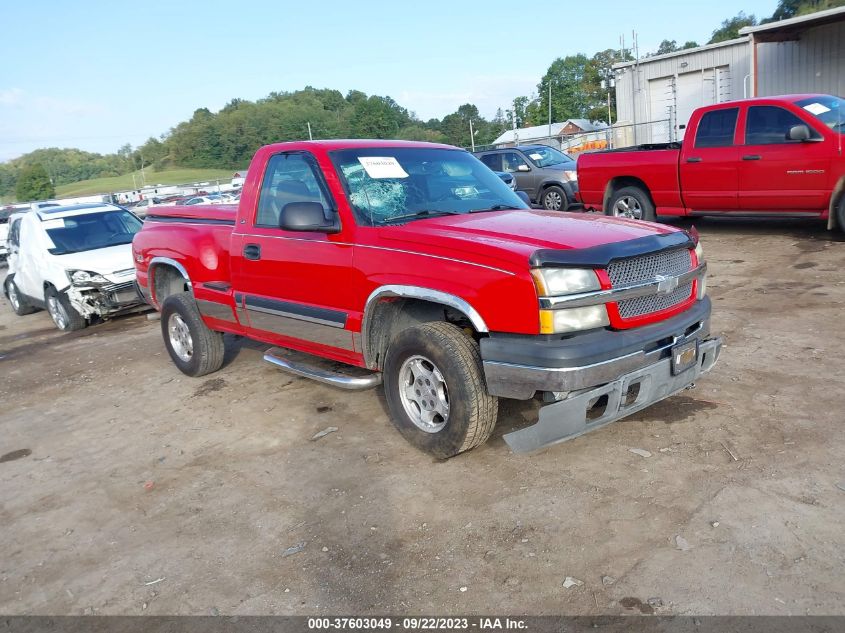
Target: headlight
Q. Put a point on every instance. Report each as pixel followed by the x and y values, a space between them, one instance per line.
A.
pixel 699 253
pixel 86 278
pixel 564 281
pixel 570 175
pixel 573 319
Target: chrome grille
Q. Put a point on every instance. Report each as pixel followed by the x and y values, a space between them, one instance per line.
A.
pixel 646 268
pixel 126 285
pixel 631 308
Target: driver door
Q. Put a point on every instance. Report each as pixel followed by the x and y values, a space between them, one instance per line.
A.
pixel 290 286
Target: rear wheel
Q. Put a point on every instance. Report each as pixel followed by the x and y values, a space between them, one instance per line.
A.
pixel 194 348
pixel 434 385
pixel 64 315
pixel 16 299
pixel 633 203
pixel 554 199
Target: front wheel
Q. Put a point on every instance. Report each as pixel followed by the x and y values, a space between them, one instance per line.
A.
pixel 554 199
pixel 64 315
pixel 194 348
pixel 435 390
pixel 632 203
pixel 16 300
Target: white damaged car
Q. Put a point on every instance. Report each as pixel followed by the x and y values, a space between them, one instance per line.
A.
pixel 74 261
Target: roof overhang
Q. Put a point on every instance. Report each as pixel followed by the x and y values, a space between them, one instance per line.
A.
pixel 790 30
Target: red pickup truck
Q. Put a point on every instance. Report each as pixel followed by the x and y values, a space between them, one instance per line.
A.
pixel 414 265
pixel 773 156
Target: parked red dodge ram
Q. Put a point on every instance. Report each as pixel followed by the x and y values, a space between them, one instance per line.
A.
pixel 773 156
pixel 415 265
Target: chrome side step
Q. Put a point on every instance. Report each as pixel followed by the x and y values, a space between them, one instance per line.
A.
pixel 277 357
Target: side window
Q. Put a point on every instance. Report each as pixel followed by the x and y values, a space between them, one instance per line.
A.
pixel 289 178
pixel 770 125
pixel 15 233
pixel 493 161
pixel 511 162
pixel 716 128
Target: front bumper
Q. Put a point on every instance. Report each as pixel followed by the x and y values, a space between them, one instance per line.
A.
pixel 591 409
pixel 106 301
pixel 518 366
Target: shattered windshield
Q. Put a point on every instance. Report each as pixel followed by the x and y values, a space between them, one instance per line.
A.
pixel 401 184
pixel 91 231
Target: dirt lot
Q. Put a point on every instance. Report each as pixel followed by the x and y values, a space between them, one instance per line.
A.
pixel 736 511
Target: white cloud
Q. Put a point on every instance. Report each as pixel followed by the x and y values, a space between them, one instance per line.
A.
pixel 487 92
pixel 11 96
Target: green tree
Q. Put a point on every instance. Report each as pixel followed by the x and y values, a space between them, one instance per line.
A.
pixel 667 46
pixel 730 28
pixel 34 184
pixel 793 8
pixel 690 44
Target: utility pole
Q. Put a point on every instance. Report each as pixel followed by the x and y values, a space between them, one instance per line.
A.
pixel 471 135
pixel 550 108
pixel 310 138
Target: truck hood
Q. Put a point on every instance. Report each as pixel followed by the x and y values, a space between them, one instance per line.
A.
pixel 114 263
pixel 513 236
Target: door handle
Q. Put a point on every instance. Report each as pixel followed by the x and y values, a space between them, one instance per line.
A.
pixel 252 251
pixel 694 159
pixel 752 157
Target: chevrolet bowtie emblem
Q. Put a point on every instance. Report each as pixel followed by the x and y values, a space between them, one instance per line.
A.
pixel 665 284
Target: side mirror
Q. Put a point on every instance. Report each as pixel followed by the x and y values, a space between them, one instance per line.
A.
pixel 524 197
pixel 306 216
pixel 523 167
pixel 799 133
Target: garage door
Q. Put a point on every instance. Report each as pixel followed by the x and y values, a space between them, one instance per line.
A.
pixel 700 88
pixel 661 97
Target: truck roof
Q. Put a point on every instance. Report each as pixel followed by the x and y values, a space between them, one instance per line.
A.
pixel 337 144
pixel 772 98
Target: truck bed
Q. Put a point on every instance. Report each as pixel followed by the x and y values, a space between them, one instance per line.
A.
pixel 217 213
pixel 654 167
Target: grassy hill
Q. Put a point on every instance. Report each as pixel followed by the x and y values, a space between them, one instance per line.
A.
pixel 176 176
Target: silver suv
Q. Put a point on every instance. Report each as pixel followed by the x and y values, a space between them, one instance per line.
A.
pixel 546 175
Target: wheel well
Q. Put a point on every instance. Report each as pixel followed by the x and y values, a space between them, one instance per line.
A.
pixel 166 281
pixel 618 183
pixel 835 199
pixel 392 315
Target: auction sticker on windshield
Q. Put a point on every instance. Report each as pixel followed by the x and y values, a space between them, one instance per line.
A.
pixel 535 156
pixel 816 108
pixel 382 167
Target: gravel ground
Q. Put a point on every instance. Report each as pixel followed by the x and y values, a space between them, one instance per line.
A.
pixel 139 490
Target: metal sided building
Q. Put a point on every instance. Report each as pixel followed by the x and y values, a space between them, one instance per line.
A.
pixel 655 96
pixel 800 55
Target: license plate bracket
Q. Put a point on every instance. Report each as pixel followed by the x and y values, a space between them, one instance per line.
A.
pixel 684 356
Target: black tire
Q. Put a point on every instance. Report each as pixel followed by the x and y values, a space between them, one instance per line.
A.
pixel 554 199
pixel 65 317
pixel 840 213
pixel 621 205
pixel 17 300
pixel 472 411
pixel 194 348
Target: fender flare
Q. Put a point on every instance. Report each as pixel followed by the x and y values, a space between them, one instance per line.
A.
pixel 168 262
pixel 416 292
pixel 835 198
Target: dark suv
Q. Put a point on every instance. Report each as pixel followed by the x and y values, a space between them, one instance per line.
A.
pixel 545 174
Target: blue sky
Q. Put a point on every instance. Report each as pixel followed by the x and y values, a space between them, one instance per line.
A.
pixel 97 74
